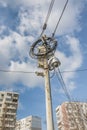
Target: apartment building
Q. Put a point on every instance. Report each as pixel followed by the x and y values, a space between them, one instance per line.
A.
pixel 72 116
pixel 29 123
pixel 8 108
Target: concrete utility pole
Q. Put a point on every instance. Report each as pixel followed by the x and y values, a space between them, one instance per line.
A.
pixel 49 112
pixel 47 62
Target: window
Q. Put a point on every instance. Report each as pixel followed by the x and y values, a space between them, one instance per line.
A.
pixel 15 95
pixel 9 94
pixel 9 116
pixel 1 100
pixel 8 99
pixel 14 100
pixel 2 95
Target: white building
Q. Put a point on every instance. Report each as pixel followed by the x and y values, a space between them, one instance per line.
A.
pixel 29 123
pixel 72 116
pixel 8 108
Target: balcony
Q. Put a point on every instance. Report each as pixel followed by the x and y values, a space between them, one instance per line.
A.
pixel 10 113
pixel 9 126
pixel 9 119
pixel 11 102
pixel 12 107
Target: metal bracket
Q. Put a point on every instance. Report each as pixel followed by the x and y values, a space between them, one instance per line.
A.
pixel 39 74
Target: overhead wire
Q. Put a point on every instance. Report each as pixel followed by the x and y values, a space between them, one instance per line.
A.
pixel 44 28
pixel 33 55
pixel 19 71
pixel 40 40
pixel 13 71
pixel 60 18
pixel 53 73
pixel 72 71
pixel 63 85
pixel 47 17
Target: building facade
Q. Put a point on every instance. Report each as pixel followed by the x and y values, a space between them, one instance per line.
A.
pixel 72 116
pixel 29 123
pixel 8 108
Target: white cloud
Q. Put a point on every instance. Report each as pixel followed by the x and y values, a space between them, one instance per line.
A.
pixel 30 21
pixel 20 49
pixel 27 79
pixel 14 46
pixel 3 3
pixel 71 62
pixel 70 21
pixel 5 51
pixel 31 15
pixel 25 2
pixel 2 28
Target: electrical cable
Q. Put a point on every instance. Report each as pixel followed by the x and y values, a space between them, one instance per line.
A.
pixel 60 18
pixel 12 71
pixel 69 98
pixel 47 17
pixel 44 28
pixel 60 78
pixel 37 55
pixel 63 85
pixel 51 76
pixel 71 71
pixel 68 71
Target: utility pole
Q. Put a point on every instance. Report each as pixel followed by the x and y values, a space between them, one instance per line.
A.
pixel 46 60
pixel 49 110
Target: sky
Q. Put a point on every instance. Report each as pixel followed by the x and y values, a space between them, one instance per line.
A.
pixel 21 23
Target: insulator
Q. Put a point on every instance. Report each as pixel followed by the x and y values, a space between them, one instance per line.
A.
pixel 53 63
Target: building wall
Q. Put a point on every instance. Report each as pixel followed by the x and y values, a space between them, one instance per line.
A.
pixel 8 108
pixel 72 116
pixel 29 123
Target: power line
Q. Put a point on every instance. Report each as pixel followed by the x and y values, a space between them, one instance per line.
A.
pixel 63 85
pixel 47 17
pixel 12 71
pixel 71 71
pixel 60 18
pixel 66 71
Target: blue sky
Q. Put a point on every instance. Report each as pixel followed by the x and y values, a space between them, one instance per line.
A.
pixel 20 25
